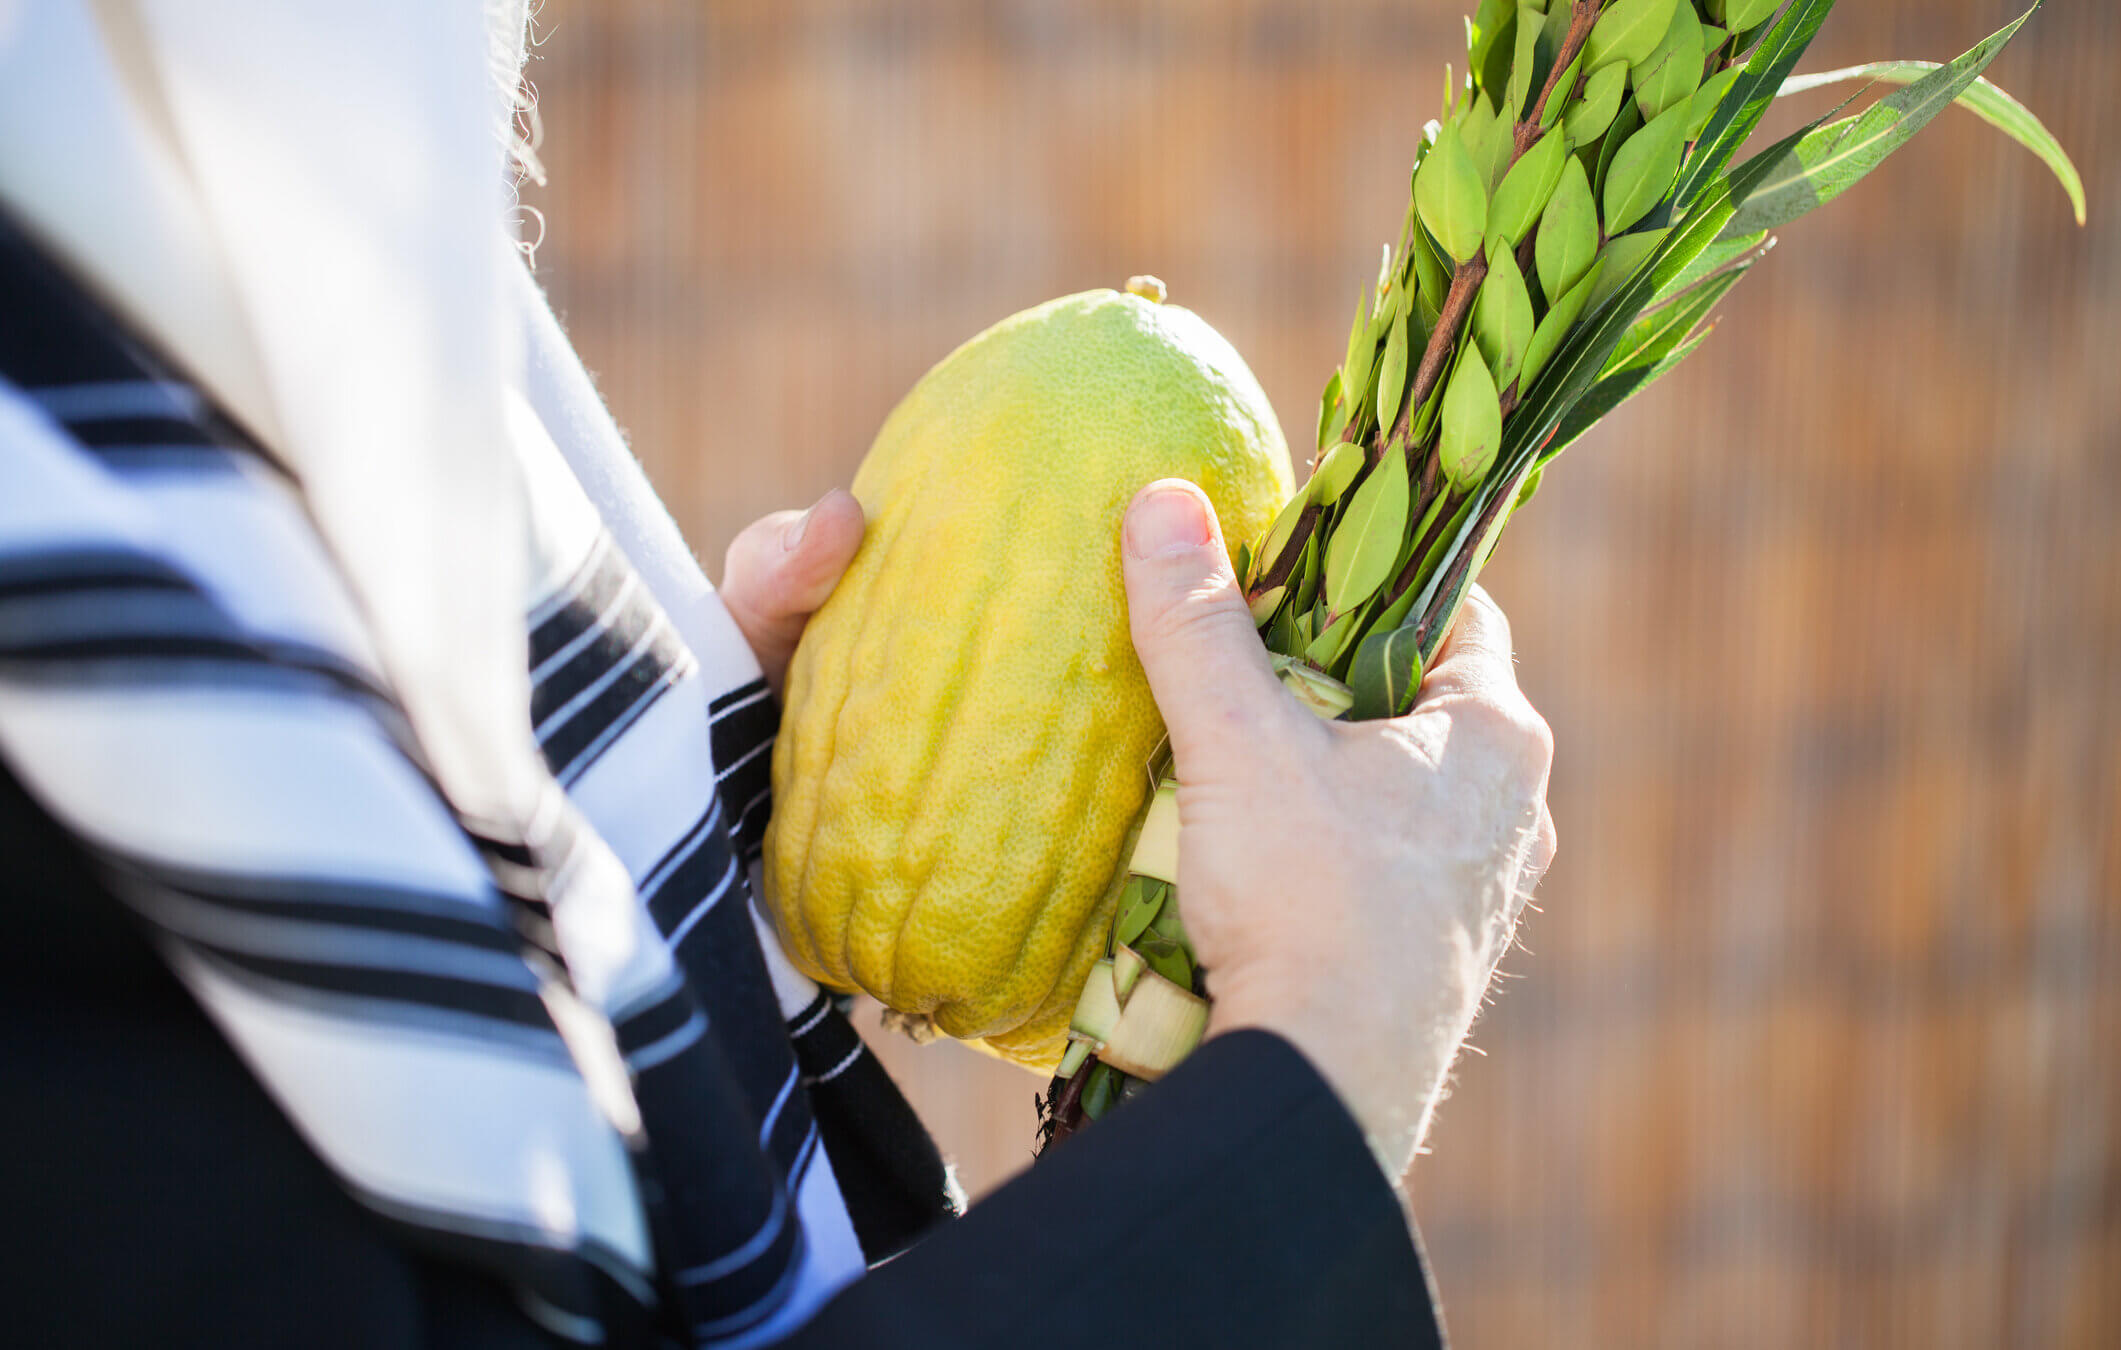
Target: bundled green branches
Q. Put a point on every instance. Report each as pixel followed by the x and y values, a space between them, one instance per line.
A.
pixel 1576 215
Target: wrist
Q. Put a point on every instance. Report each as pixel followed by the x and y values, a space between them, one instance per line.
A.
pixel 1387 1072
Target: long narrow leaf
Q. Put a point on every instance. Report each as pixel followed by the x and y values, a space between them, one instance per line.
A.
pixel 1749 99
pixel 1981 98
pixel 1614 390
pixel 1833 159
pixel 1659 332
pixel 1573 372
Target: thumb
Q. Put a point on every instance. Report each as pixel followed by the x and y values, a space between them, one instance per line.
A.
pixel 1193 632
pixel 781 568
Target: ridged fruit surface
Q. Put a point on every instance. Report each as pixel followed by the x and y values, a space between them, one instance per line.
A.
pixel 963 755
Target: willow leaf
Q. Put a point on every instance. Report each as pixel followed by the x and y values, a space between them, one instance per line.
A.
pixel 1982 99
pixel 1609 393
pixel 1833 159
pixel 1748 101
pixel 1661 330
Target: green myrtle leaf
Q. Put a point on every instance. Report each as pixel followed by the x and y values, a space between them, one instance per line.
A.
pixel 1355 369
pixel 1432 276
pixel 1629 31
pixel 1833 159
pixel 1336 425
pixel 1267 604
pixel 1672 73
pixel 1588 117
pixel 1451 193
pixel 1392 377
pixel 1623 129
pixel 1707 99
pixel 1564 91
pixel 1744 14
pixel 1328 406
pixel 1360 554
pixel 1982 99
pixel 1518 96
pixel 1644 170
pixel 1168 923
pixel 1502 316
pixel 1394 614
pixel 1492 24
pixel 1138 904
pixel 1530 488
pixel 1488 139
pixel 1568 232
pixel 1326 647
pixel 1386 673
pixel 1472 421
pixel 1713 37
pixel 1100 1090
pixel 1336 472
pixel 1281 631
pixel 1554 328
pixel 1425 420
pixel 1623 258
pixel 1275 541
pixel 1527 188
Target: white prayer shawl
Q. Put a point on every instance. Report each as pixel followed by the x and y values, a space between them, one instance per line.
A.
pixel 307 203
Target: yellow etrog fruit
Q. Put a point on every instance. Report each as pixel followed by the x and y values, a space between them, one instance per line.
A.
pixel 964 750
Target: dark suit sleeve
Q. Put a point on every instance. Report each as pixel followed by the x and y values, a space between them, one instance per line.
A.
pixel 156 1196
pixel 1236 1204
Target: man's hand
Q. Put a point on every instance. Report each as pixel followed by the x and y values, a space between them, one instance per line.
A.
pixel 781 568
pixel 1349 886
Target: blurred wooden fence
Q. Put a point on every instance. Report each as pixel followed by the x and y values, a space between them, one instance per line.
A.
pixel 1818 1039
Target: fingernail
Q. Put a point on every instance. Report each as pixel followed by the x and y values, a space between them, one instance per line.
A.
pixel 1164 519
pixel 792 537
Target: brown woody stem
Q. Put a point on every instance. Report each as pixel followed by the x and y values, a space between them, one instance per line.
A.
pixel 1291 554
pixel 1465 286
pixel 1459 567
pixel 1582 19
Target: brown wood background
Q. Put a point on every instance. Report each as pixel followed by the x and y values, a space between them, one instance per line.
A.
pixel 1817 1040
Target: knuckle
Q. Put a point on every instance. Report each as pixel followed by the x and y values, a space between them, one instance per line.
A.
pixel 1193 619
pixel 1507 722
